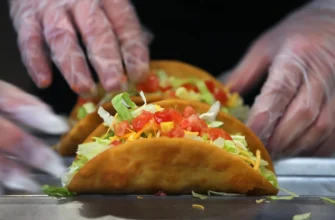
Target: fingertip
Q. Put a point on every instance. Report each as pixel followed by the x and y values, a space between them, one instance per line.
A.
pixel 116 83
pixel 42 80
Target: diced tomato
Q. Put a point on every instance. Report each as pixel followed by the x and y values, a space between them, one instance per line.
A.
pixel 141 120
pixel 215 133
pixel 171 94
pixel 193 123
pixel 151 84
pixel 221 96
pixel 176 132
pixel 168 115
pixel 188 111
pixel 115 143
pixel 122 128
pixel 190 87
pixel 176 116
pixel 166 88
pixel 162 116
pixel 210 86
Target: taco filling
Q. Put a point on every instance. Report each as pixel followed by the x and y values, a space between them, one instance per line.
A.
pixel 149 121
pixel 86 107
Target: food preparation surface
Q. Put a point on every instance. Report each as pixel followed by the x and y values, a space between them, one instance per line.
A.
pixel 310 178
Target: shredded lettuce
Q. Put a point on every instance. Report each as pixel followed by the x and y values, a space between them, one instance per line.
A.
pixel 281 197
pixel 206 95
pixel 304 216
pixel 221 193
pixel 183 93
pixel 212 113
pixel 270 176
pixel 57 191
pixel 85 109
pixel 178 82
pixel 230 147
pixel 85 153
pixel 121 103
pixel 258 201
pixel 332 201
pixel 215 124
pixel 108 119
pixel 289 192
pixel 197 195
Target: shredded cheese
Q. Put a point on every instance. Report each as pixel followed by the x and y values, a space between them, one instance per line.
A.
pixel 258 160
pixel 113 120
pixel 247 159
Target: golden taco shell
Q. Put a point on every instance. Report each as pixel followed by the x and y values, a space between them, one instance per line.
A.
pixel 68 144
pixel 175 165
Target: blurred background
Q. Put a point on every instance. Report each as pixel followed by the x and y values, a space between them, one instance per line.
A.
pixel 213 35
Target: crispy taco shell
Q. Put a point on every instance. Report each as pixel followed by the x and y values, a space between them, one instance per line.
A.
pixel 69 142
pixel 174 165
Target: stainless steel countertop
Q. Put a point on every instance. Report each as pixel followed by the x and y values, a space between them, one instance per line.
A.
pixel 308 177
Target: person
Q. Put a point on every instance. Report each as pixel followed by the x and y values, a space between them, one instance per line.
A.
pixel 293 114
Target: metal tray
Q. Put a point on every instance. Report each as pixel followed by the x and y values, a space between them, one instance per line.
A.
pixel 151 207
pixel 308 177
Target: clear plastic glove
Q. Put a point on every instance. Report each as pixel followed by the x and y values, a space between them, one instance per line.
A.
pixel 27 151
pixel 295 111
pixel 109 29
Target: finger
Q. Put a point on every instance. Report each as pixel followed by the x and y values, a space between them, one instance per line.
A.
pixel 127 27
pixel 305 108
pixel 28 110
pixel 66 52
pixel 14 176
pixel 31 44
pixel 251 68
pixel 28 149
pixel 147 35
pixel 279 89
pixel 101 43
pixel 317 133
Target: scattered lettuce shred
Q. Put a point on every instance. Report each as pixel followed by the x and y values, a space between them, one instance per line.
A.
pixel 199 196
pixel 304 216
pixel 289 192
pixel 332 201
pixel 291 195
pixel 221 193
pixel 56 191
pixel 259 201
pixel 281 197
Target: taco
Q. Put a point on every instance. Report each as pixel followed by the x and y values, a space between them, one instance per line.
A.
pixel 175 79
pixel 176 146
pixel 168 79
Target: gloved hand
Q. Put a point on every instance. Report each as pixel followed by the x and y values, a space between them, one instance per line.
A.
pixel 109 28
pixel 295 111
pixel 19 151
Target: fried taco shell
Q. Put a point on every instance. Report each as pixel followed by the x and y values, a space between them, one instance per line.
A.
pixel 69 142
pixel 174 165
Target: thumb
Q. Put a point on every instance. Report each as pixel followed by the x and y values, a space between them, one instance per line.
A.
pixel 251 68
